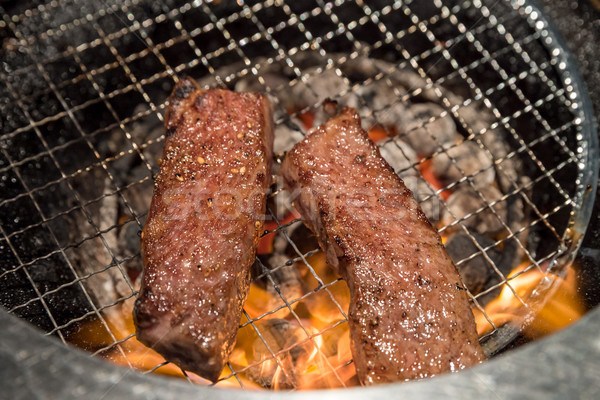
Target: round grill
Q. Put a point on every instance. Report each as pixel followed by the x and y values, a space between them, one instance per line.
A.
pixel 86 85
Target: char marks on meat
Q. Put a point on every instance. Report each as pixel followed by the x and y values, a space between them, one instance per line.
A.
pixel 409 315
pixel 203 226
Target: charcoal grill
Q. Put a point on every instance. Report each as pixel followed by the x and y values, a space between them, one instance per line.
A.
pixel 80 75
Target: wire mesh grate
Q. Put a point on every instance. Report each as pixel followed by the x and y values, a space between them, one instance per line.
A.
pixel 82 110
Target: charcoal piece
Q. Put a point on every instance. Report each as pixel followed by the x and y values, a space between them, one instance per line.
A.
pixel 467 205
pixel 466 159
pixel 428 127
pixel 304 240
pixel 275 334
pixel 477 271
pixel 287 134
pixel 400 156
pixel 431 204
pixel 286 281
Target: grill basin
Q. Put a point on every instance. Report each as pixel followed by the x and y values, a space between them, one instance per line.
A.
pixel 81 75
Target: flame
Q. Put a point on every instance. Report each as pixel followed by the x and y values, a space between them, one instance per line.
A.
pixel 313 352
pixel 310 349
pixel 132 353
pixel 561 309
pixel 260 302
pixel 308 346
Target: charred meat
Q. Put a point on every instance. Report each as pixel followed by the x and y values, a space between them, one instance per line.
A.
pixel 409 315
pixel 203 226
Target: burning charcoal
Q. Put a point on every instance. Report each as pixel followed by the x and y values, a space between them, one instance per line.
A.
pixel 284 280
pixel 517 207
pixel 286 277
pixel 322 303
pixel 330 107
pixel 478 118
pixel 275 334
pixel 319 86
pixel 469 158
pixel 412 80
pixel 303 238
pixel 464 202
pixel 426 137
pixel 476 272
pixel 92 255
pixel 287 134
pixel 400 156
pixel 349 99
pixel 308 362
pixel 425 195
pixel 281 204
pixel 333 340
pixel 146 128
pixel 392 115
pixel 320 116
pixel 476 115
pixel 272 80
pixel 128 239
pixel 361 67
pixel 510 171
pixel 377 94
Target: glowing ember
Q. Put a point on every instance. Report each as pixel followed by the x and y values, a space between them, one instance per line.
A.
pixel 425 167
pixel 265 245
pixel 378 133
pixel 307 118
pixel 131 353
pixel 309 349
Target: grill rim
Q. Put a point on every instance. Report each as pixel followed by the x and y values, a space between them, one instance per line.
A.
pixel 579 223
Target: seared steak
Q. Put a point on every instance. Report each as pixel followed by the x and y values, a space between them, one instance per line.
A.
pixel 203 226
pixel 409 314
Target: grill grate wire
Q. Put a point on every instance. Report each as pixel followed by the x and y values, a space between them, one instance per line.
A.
pixel 492 18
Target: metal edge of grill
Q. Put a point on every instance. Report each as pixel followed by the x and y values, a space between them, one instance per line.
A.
pixel 590 175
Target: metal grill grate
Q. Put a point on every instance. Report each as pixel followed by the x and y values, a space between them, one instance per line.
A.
pixel 82 76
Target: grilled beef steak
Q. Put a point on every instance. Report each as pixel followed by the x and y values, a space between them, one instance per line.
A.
pixel 409 315
pixel 203 226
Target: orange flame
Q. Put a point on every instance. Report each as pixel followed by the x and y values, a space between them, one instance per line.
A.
pixel 561 309
pixel 313 352
pixel 130 352
pixel 309 348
